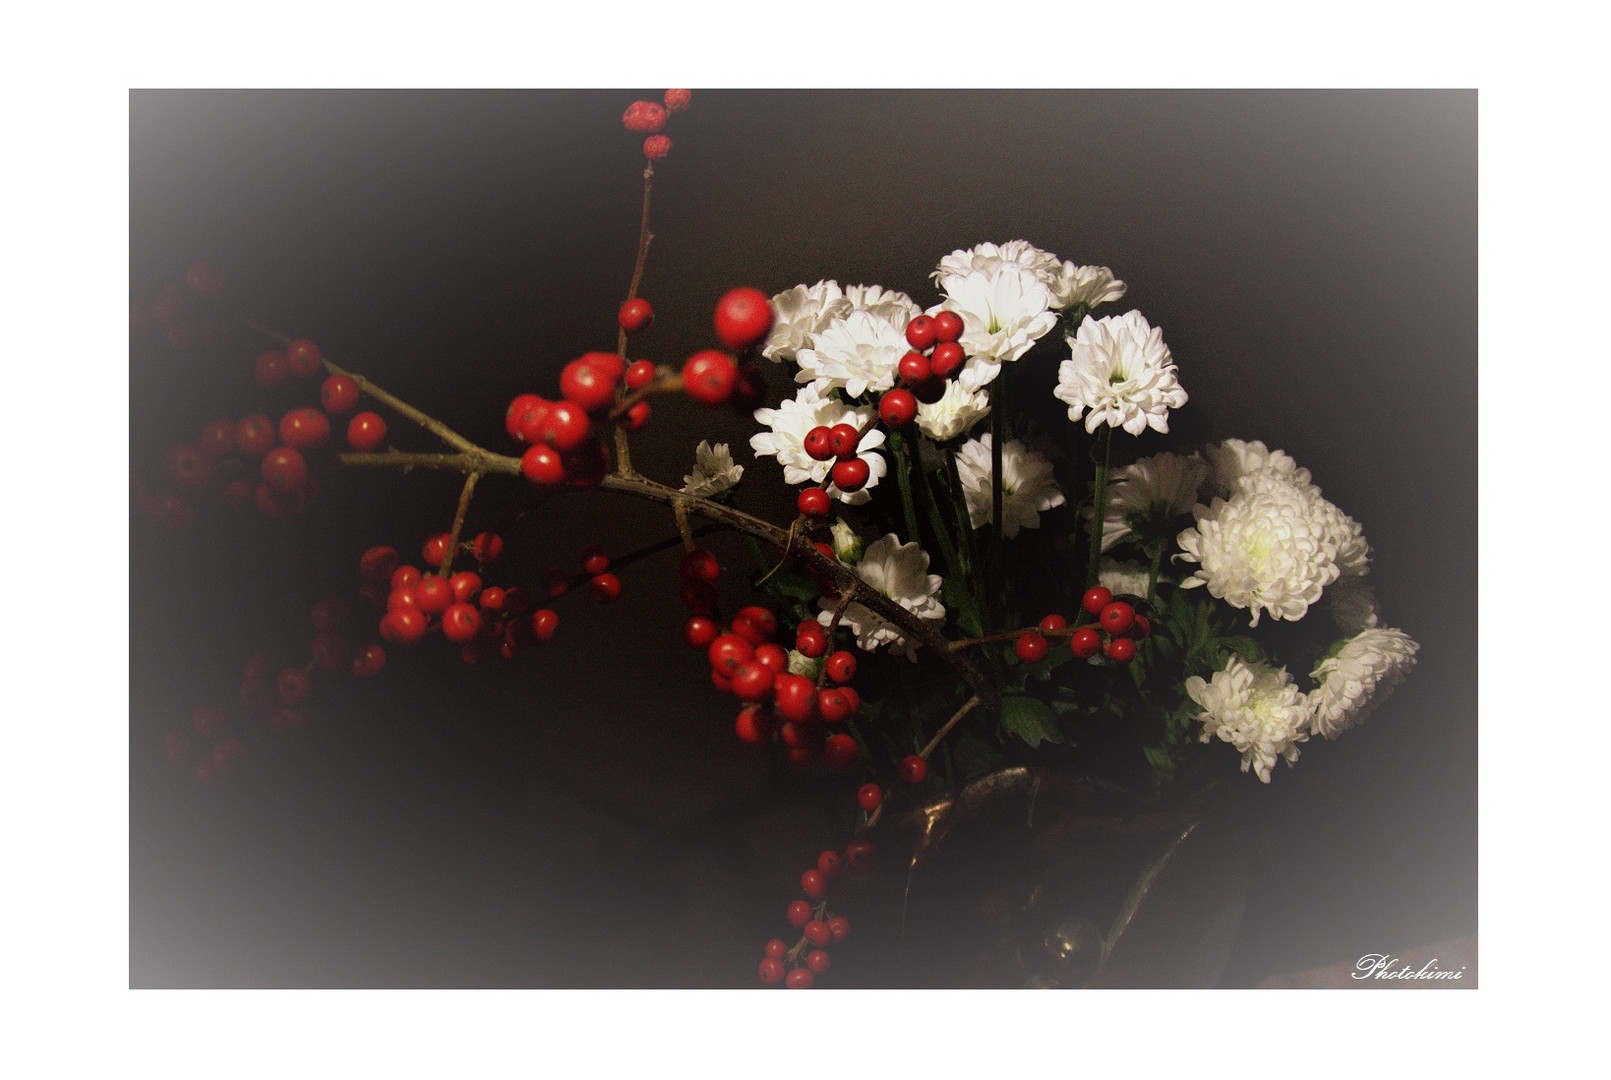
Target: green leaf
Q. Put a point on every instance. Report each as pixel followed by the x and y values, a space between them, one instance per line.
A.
pixel 792 584
pixel 1031 719
pixel 1246 648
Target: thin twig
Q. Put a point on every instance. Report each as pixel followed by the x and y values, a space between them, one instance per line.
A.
pixel 967 707
pixel 465 493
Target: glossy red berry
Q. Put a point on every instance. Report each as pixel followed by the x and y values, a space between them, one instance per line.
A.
pixel 945 359
pixel 842 666
pixel 772 655
pixel 594 559
pixel 524 409
pixel 700 565
pixel 1117 617
pixel 897 408
pixel 403 576
pixel 644 117
pixel 770 971
pixel 835 706
pixel 1031 648
pixel 858 854
pixel 405 625
pixel 743 317
pixel 699 631
pixel 563 425
pixel 914 367
pixel 947 326
pixel 544 622
pixel 816 960
pixel 920 332
pixel 810 639
pixel 752 681
pixel 271 368
pixel 814 885
pixel 435 549
pixel 542 464
pixel 799 913
pixel 869 797
pixel 1121 650
pixel 1141 627
pixel 369 661
pixel 302 358
pixel 587 385
pixel 466 585
pixel 677 100
pixel 339 395
pixel 842 440
pixel 634 315
pixel 851 475
pixel 829 863
pixel 461 622
pixel 605 588
pixel 813 502
pixel 795 697
pixel 799 979
pixel 656 147
pixel 640 374
pixel 913 769
pixel 1096 598
pixel 753 725
pixel 284 471
pixel 433 595
pixel 366 431
pixel 492 600
pixel 839 927
pixel 708 376
pixel 818 443
pixel 1053 622
pixel 839 750
pixel 254 435
pixel 1085 643
pixel 728 652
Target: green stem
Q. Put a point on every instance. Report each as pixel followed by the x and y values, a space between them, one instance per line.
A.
pixel 1104 445
pixel 904 456
pixel 1152 574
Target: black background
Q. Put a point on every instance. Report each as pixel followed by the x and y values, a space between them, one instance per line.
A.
pixel 583 816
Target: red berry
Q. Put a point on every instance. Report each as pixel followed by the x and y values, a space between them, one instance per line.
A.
pixel 1121 650
pixel 945 359
pixel 594 559
pixel 771 971
pixel 1141 628
pixel 816 960
pixel 284 471
pixel 700 565
pixel 763 619
pixel 897 408
pixel 799 913
pixel 339 395
pixel 403 575
pixel 271 368
pixel 708 376
pixel 1031 648
pixel 842 666
pixel 829 863
pixel 840 749
pixel 869 797
pixel 304 428
pixel 1096 598
pixel 752 725
pixel 586 465
pixel 818 443
pixel 406 625
pixel 369 661
pixel 851 475
pixel 677 100
pixel 842 440
pixel 914 367
pixel 795 697
pixel 1085 643
pixel 656 147
pixel 366 431
pixel 771 655
pixel 920 332
pixel 777 947
pixel 587 385
pixel 563 425
pixel 492 599
pixel 947 326
pixel 728 652
pixel 605 588
pixel 835 705
pixel 748 630
pixel 634 315
pixel 644 116
pixel 839 927
pixel 465 585
pixel 743 317
pixel 636 416
pixel 523 408
pixel 640 374
pixel 487 547
pixel 542 464
pixel 435 548
pixel 813 502
pixel 1117 617
pixel 461 622
pixel 814 885
pixel 433 595
pixel 1053 622
pixel 913 769
pixel 810 639
pixel 752 681
pixel 544 622
pixel 254 435
pixel 699 631
pixel 302 358
pixel 858 853
pixel 799 979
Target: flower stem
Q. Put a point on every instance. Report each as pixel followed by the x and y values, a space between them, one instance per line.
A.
pixel 904 455
pixel 1152 574
pixel 1104 445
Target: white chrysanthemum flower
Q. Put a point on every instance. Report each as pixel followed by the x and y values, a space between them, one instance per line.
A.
pixel 1003 314
pixel 1234 459
pixel 1353 605
pixel 895 308
pixel 1270 547
pixel 796 416
pixel 714 471
pixel 858 353
pixel 1027 484
pixel 1257 709
pixel 1068 284
pixel 900 572
pixel 955 413
pixel 799 314
pixel 1359 678
pixel 1154 489
pixel 1123 577
pixel 801 664
pixel 1119 373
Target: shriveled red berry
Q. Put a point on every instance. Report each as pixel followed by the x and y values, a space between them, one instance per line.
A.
pixel 799 913
pixel 544 622
pixel 897 408
pixel 814 885
pixel 369 661
pixel 640 374
pixel 1053 622
pixel 254 435
pixel 1121 650
pixel 700 565
pixel 366 431
pixel 814 502
pixel 914 368
pixel 284 471
pixel 840 749
pixel 709 375
pixel 945 359
pixel 677 100
pixel 1085 643
pixel 743 317
pixel 605 588
pixel 302 358
pixel 842 666
pixel 913 769
pixel 644 117
pixel 635 314
pixel 1117 617
pixel 799 979
pixel 869 797
pixel 920 332
pixel 851 475
pixel 1031 648
pixel 461 622
pixel 947 326
pixel 271 368
pixel 656 147
pixel 1095 599
pixel 810 639
pixel 339 395
pixel 770 971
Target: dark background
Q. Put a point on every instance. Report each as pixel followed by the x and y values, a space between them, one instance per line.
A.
pixel 582 816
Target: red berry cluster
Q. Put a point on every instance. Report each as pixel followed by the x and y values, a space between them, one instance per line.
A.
pixel 648 117
pixel 565 449
pixel 798 967
pixel 936 354
pixel 1113 633
pixel 849 473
